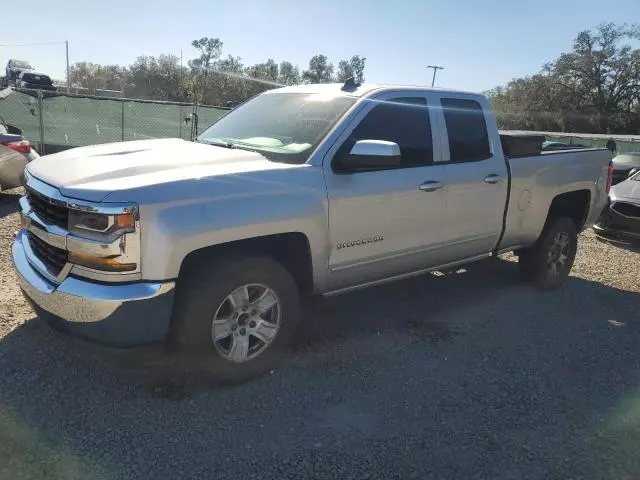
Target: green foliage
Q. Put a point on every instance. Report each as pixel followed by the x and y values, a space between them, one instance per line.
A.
pixel 320 70
pixel 594 88
pixel 351 68
pixel 289 74
pixel 209 78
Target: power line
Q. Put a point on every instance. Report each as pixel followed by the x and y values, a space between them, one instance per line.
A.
pixel 31 44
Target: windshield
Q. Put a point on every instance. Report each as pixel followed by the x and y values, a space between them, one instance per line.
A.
pixel 284 126
pixel 20 64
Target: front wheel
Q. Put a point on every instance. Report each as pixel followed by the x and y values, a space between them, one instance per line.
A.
pixel 237 315
pixel 549 261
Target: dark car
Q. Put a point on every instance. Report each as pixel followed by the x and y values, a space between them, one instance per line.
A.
pixel 14 69
pixel 35 81
pixel 621 216
pixel 623 166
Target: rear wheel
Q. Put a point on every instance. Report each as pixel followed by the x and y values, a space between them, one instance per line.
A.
pixel 549 261
pixel 237 315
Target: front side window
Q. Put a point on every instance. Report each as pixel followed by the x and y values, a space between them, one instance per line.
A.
pixel 283 126
pixel 404 121
pixel 466 129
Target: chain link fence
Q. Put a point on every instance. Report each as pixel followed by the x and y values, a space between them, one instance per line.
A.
pixel 54 121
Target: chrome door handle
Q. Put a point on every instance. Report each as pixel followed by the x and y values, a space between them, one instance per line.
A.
pixel 430 186
pixel 493 178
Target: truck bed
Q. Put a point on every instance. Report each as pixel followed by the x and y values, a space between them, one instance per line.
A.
pixel 536 180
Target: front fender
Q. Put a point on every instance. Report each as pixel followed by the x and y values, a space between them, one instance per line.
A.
pixel 171 231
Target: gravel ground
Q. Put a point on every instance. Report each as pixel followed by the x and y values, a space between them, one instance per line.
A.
pixel 465 375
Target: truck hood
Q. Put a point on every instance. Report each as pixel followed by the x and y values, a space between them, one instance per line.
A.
pixel 93 172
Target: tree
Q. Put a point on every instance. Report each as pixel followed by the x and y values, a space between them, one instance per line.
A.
pixel 95 77
pixel 209 78
pixel 264 71
pixel 344 71
pixel 594 88
pixel 155 78
pixel 288 74
pixel 320 70
pixel 227 81
pixel 603 70
pixel 210 50
pixel 351 68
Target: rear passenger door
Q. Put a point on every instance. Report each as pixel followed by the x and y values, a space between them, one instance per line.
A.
pixel 476 178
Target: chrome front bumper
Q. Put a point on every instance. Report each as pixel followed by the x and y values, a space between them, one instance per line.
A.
pixel 122 315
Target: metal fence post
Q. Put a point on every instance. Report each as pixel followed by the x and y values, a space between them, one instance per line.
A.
pixel 41 123
pixel 122 119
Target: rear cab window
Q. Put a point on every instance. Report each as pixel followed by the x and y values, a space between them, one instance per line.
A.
pixel 466 130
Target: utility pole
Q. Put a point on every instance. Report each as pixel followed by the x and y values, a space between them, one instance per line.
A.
pixel 435 69
pixel 181 79
pixel 66 44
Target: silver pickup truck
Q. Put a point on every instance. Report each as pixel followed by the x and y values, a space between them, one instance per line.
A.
pixel 208 246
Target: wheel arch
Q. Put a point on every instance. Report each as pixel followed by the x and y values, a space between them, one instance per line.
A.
pixel 574 205
pixel 291 249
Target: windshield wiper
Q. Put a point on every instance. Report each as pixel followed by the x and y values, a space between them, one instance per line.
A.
pixel 217 143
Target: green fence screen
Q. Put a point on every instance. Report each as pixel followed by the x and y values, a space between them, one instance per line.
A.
pixel 54 121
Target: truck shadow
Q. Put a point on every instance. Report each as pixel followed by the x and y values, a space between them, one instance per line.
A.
pixel 496 369
pixel 9 202
pixel 413 306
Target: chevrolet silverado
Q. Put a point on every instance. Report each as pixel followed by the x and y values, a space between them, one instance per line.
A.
pixel 209 245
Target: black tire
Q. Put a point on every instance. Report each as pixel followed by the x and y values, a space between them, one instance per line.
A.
pixel 533 261
pixel 203 289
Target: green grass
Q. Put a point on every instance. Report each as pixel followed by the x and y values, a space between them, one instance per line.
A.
pixel 83 121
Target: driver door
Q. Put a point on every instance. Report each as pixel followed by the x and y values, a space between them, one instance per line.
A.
pixel 384 223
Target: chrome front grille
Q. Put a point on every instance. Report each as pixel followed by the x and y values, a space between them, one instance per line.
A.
pixel 48 210
pixel 54 258
pixel 626 209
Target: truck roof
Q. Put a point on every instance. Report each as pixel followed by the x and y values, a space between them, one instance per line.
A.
pixel 361 90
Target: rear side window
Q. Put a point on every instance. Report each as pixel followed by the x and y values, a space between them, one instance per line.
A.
pixel 466 129
pixel 404 121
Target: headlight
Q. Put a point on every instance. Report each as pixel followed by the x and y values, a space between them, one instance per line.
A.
pixel 101 224
pixel 104 241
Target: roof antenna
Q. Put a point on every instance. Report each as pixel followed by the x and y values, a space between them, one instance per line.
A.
pixel 350 84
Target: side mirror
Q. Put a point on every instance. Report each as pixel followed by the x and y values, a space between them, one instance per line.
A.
pixel 372 154
pixel 632 172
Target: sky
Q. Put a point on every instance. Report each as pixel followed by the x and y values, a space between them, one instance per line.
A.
pixel 480 43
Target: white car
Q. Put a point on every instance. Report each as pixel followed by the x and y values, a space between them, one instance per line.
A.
pixel 15 153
